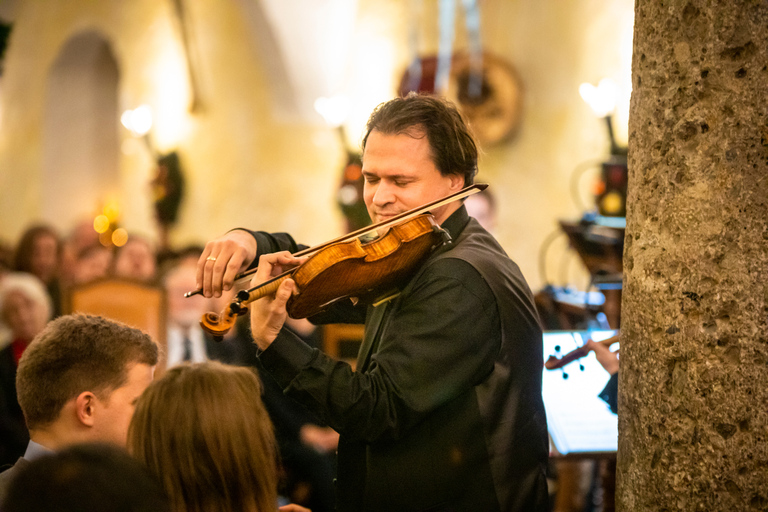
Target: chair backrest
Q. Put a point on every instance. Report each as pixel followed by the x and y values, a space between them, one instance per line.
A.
pixel 132 302
pixel 342 341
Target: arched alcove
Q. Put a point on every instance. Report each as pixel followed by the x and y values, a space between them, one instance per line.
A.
pixel 80 131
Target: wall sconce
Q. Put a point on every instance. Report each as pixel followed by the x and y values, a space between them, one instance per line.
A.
pixel 168 183
pixel 602 101
pixel 349 196
pixel 139 122
pixel 611 189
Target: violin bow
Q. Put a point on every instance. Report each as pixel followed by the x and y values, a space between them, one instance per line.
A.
pixel 397 219
pixel 555 363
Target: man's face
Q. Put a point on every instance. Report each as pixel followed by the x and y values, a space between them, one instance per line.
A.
pixel 400 175
pixel 115 411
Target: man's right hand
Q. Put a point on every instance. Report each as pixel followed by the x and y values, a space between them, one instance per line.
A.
pixel 223 259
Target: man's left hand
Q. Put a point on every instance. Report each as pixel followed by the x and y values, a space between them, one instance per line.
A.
pixel 268 314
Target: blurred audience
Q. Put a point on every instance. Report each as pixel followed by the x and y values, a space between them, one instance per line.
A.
pixel 25 308
pixel 38 252
pixel 6 258
pixel 482 206
pixel 83 235
pixel 78 381
pixel 203 430
pixel 137 259
pixel 91 477
pixel 186 340
pixel 93 262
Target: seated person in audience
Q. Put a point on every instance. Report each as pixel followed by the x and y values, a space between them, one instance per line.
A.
pixel 25 308
pixel 78 381
pixel 83 235
pixel 92 263
pixel 39 252
pixel 307 449
pixel 90 477
pixel 610 361
pixel 482 206
pixel 186 340
pixel 136 260
pixel 6 258
pixel 202 429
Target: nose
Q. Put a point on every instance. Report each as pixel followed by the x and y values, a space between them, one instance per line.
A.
pixel 383 195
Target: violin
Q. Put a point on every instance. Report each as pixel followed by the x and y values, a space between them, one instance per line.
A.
pixel 555 363
pixel 348 267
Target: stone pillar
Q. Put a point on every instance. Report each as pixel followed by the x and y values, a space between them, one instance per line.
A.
pixel 693 388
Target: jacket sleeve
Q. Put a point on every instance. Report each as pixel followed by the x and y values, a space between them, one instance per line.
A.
pixel 440 340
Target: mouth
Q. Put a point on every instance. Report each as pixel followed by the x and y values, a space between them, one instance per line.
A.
pixel 382 217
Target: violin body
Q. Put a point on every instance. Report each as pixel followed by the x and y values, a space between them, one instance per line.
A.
pixel 349 269
pixel 363 271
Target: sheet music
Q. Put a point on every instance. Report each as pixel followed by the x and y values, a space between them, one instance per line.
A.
pixel 579 421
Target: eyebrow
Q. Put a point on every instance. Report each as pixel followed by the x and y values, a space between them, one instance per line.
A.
pixel 394 177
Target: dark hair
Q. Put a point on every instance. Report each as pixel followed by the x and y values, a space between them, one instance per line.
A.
pixel 22 258
pixel 453 147
pixel 85 478
pixel 76 353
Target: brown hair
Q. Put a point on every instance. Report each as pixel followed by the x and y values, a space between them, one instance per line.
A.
pixel 453 148
pixel 77 353
pixel 203 430
pixel 22 258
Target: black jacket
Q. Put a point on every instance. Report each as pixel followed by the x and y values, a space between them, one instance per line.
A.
pixel 444 411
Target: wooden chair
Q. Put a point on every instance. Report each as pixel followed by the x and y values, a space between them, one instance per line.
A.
pixel 128 301
pixel 342 341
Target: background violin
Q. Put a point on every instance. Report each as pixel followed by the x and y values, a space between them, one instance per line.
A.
pixel 555 363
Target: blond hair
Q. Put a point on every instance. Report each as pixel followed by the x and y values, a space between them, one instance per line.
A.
pixel 203 430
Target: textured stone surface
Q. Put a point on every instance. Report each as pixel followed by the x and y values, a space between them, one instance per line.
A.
pixel 693 409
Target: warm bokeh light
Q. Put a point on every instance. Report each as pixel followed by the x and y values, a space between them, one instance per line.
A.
pixel 334 110
pixel 119 237
pixel 101 223
pixel 601 99
pixel 112 211
pixel 105 238
pixel 138 120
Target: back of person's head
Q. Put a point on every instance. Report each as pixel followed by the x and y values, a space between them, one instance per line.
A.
pixel 76 353
pixel 25 305
pixel 453 147
pixel 85 478
pixel 203 430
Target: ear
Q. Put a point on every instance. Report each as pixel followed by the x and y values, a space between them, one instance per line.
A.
pixel 85 404
pixel 457 182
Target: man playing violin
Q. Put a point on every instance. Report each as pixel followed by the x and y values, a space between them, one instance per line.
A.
pixel 444 410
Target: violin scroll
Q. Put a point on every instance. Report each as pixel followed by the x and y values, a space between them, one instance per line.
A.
pixel 219 324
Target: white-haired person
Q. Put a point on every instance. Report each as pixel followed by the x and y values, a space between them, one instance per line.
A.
pixel 25 308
